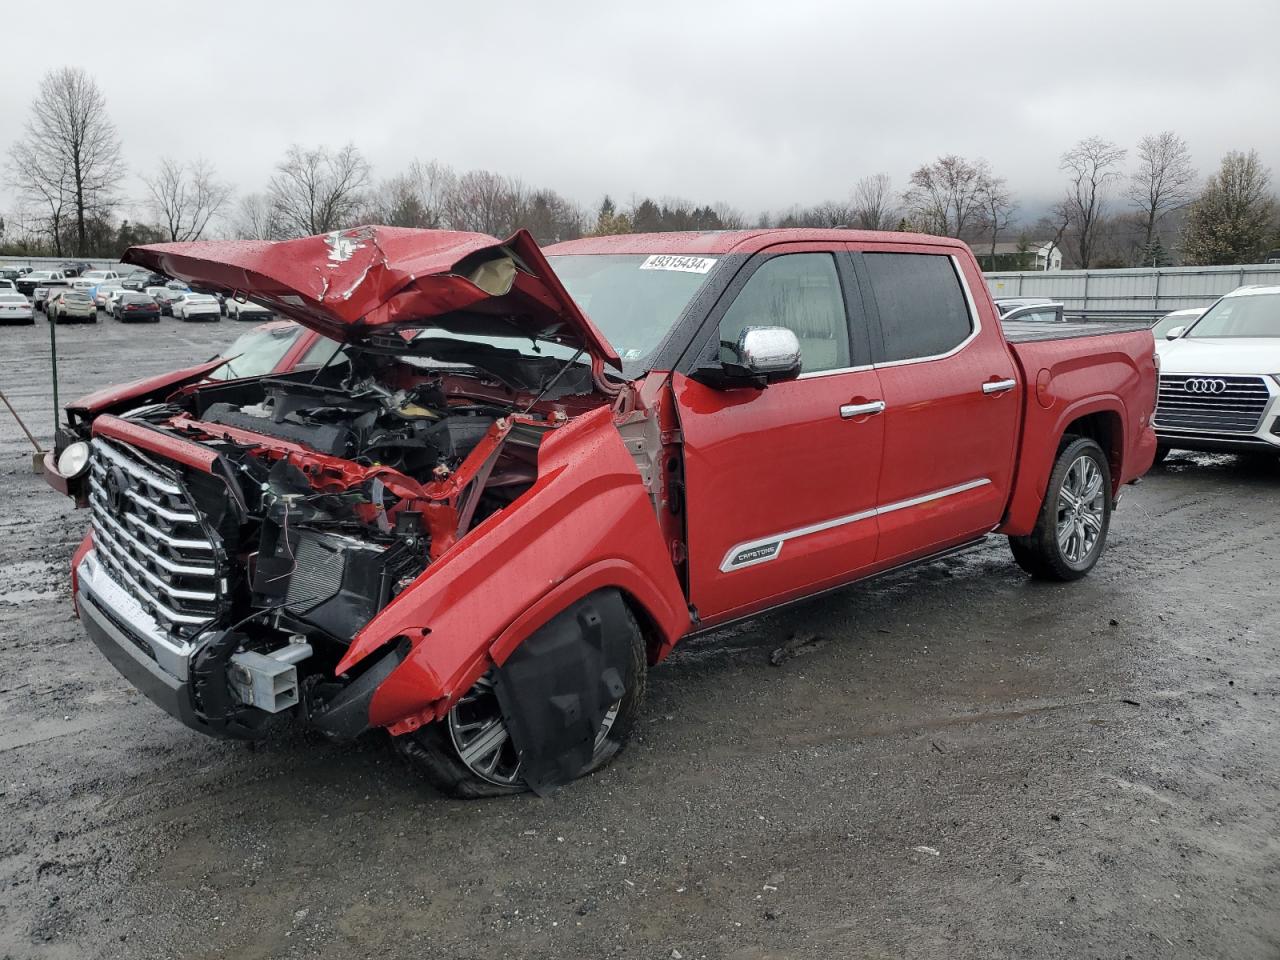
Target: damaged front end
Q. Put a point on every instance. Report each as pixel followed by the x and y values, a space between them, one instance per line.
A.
pixel 243 536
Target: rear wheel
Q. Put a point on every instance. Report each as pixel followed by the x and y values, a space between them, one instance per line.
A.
pixel 470 753
pixel 1162 452
pixel 1071 531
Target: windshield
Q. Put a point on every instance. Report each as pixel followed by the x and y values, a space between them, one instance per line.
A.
pixel 257 352
pixel 633 299
pixel 1249 315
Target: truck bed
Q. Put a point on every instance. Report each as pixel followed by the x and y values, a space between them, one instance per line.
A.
pixel 1030 331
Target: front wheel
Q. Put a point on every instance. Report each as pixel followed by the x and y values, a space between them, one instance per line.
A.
pixel 471 753
pixel 1071 531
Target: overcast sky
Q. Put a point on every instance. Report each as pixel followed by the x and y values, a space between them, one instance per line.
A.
pixel 757 104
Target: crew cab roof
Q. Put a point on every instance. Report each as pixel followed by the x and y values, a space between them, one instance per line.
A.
pixel 739 241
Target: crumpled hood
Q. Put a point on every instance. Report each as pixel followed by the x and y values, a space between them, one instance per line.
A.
pixel 350 283
pixel 1230 356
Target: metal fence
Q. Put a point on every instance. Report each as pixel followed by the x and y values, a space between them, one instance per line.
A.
pixel 53 263
pixel 1152 291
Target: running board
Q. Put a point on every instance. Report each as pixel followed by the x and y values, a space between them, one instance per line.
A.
pixel 918 562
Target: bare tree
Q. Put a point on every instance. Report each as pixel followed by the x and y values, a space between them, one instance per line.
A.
pixel 317 190
pixel 186 197
pixel 1164 180
pixel 253 219
pixel 945 197
pixel 68 160
pixel 415 198
pixel 873 207
pixel 998 208
pixel 1092 165
pixel 41 185
pixel 1230 221
pixel 485 202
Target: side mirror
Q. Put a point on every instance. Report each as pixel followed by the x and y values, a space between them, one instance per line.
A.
pixel 765 355
pixel 1175 333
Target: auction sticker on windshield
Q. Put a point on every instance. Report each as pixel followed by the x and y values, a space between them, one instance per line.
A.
pixel 666 261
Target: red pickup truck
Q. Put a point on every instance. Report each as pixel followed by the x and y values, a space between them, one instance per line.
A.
pixel 529 473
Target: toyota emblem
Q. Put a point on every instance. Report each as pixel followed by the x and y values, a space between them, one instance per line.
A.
pixel 1204 385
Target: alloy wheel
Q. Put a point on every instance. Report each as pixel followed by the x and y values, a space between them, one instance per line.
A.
pixel 482 741
pixel 1082 503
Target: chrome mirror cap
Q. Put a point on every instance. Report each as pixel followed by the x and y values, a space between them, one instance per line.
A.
pixel 771 352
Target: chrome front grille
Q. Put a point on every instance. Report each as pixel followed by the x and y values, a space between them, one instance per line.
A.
pixel 150 537
pixel 1210 403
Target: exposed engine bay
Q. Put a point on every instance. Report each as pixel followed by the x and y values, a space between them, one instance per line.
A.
pixel 330 493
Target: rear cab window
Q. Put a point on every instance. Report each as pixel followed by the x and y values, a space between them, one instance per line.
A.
pixel 924 312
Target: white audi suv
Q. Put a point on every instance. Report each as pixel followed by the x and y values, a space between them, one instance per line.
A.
pixel 1220 377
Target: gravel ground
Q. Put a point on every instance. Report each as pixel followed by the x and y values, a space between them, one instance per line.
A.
pixel 950 762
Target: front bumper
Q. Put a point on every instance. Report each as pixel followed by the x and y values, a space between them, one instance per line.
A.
pixel 131 641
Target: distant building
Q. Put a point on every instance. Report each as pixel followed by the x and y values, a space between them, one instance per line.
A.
pixel 1017 255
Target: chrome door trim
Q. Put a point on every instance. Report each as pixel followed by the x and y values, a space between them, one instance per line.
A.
pixel 974 317
pixel 850 410
pixel 763 549
pixel 999 386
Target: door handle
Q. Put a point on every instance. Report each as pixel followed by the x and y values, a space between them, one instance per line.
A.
pixel 998 386
pixel 851 410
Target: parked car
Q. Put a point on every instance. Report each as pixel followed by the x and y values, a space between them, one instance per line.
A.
pixel 114 298
pixel 1178 319
pixel 28 282
pixel 46 288
pixel 164 297
pixel 74 268
pixel 10 273
pixel 140 280
pixel 1007 304
pixel 98 276
pixel 1047 312
pixel 481 529
pixel 71 305
pixel 15 308
pixel 9 285
pixel 1220 377
pixel 131 307
pixel 195 306
pixel 103 291
pixel 247 310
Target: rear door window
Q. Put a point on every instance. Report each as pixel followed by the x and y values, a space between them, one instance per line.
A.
pixel 922 306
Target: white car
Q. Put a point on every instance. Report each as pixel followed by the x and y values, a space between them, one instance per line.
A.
pixel 196 306
pixel 248 310
pixel 98 276
pixel 103 291
pixel 113 298
pixel 1220 377
pixel 15 308
pixel 7 285
pixel 1178 320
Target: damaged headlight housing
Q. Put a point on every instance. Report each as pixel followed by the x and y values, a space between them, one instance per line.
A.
pixel 74 460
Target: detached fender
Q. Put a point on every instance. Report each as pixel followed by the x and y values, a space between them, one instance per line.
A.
pixel 586 523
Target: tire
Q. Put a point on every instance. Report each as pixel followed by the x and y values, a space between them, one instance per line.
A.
pixel 1162 453
pixel 432 749
pixel 1044 554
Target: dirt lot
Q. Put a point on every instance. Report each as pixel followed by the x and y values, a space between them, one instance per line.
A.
pixel 961 764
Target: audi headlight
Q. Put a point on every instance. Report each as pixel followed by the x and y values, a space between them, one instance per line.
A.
pixel 74 460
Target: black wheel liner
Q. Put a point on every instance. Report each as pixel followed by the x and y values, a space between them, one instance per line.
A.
pixel 557 686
